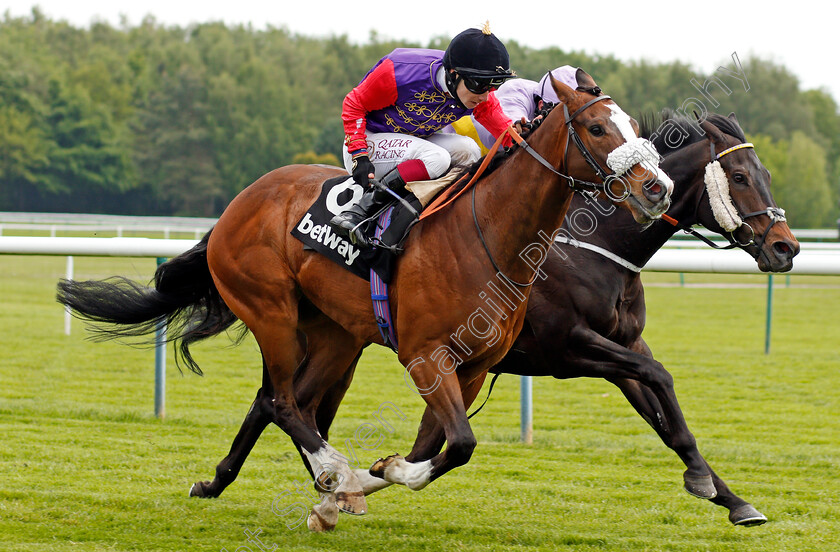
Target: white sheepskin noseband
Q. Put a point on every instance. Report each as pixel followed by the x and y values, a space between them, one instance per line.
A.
pixel 717 184
pixel 634 151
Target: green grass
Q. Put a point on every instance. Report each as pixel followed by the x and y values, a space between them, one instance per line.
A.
pixel 85 465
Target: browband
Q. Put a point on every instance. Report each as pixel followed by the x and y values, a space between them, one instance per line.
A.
pixel 734 148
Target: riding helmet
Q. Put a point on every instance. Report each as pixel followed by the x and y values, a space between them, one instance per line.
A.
pixel 477 53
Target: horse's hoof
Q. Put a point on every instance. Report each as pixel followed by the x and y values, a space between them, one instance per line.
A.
pixel 324 515
pixel 747 516
pixel 378 467
pixel 351 502
pixel 318 524
pixel 199 489
pixel 701 486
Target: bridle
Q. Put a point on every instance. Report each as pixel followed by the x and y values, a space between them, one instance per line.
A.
pixel 775 214
pixel 574 183
pixel 572 136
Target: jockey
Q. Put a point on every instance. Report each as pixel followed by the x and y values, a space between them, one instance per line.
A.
pixel 392 118
pixel 521 100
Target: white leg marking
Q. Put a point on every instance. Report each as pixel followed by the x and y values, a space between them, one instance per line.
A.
pixel 328 512
pixel 415 476
pixel 335 464
pixel 370 484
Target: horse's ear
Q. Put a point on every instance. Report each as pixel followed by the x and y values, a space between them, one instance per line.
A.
pixel 584 80
pixel 564 93
pixel 714 132
pixel 733 118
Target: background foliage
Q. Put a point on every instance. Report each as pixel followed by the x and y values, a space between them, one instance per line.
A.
pixel 153 119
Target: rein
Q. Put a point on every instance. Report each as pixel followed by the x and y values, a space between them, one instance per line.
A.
pixel 572 135
pixel 577 185
pixel 445 199
pixel 776 214
pixel 574 184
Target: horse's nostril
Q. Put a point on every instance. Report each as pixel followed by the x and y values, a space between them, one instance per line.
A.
pixel 654 191
pixel 783 250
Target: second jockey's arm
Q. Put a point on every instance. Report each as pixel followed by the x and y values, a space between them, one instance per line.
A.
pixel 377 91
pixel 489 113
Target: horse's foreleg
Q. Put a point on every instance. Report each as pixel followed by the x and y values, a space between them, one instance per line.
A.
pixel 445 420
pixel 430 435
pixel 647 405
pixel 597 356
pixel 428 443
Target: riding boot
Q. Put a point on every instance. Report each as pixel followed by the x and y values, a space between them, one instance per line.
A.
pixel 347 224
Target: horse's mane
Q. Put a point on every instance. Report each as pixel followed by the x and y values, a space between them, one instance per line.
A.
pixel 648 125
pixel 466 173
pixel 650 122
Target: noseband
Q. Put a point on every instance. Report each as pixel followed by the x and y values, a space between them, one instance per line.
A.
pixel 775 214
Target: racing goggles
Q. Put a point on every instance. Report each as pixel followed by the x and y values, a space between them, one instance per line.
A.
pixel 480 85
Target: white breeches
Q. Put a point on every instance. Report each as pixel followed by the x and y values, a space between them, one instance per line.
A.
pixel 438 152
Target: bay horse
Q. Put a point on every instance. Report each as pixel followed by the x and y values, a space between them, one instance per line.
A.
pixel 586 318
pixel 304 310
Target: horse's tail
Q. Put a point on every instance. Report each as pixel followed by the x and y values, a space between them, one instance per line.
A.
pixel 184 298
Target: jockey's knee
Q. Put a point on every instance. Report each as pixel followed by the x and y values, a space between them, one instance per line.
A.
pixel 466 153
pixel 437 162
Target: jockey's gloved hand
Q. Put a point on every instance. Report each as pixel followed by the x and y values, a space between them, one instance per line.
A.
pixel 363 171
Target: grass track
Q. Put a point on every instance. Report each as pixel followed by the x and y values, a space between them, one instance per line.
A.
pixel 84 464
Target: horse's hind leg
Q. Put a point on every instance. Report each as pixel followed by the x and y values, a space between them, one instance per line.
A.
pixel 596 356
pixel 327 465
pixel 647 405
pixel 334 353
pixel 324 416
pixel 270 311
pixel 259 416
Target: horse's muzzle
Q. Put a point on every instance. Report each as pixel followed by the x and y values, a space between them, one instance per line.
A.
pixel 655 192
pixel 777 255
pixel 655 201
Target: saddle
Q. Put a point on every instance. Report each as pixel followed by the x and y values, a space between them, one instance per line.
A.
pixel 387 229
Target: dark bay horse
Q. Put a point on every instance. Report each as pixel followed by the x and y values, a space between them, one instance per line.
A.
pixel 586 318
pixel 570 333
pixel 304 311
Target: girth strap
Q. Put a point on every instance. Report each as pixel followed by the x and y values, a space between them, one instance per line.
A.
pixel 379 291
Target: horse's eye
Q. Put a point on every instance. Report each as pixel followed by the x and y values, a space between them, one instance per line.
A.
pixel 739 178
pixel 596 130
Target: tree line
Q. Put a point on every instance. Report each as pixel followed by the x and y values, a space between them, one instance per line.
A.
pixel 166 120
